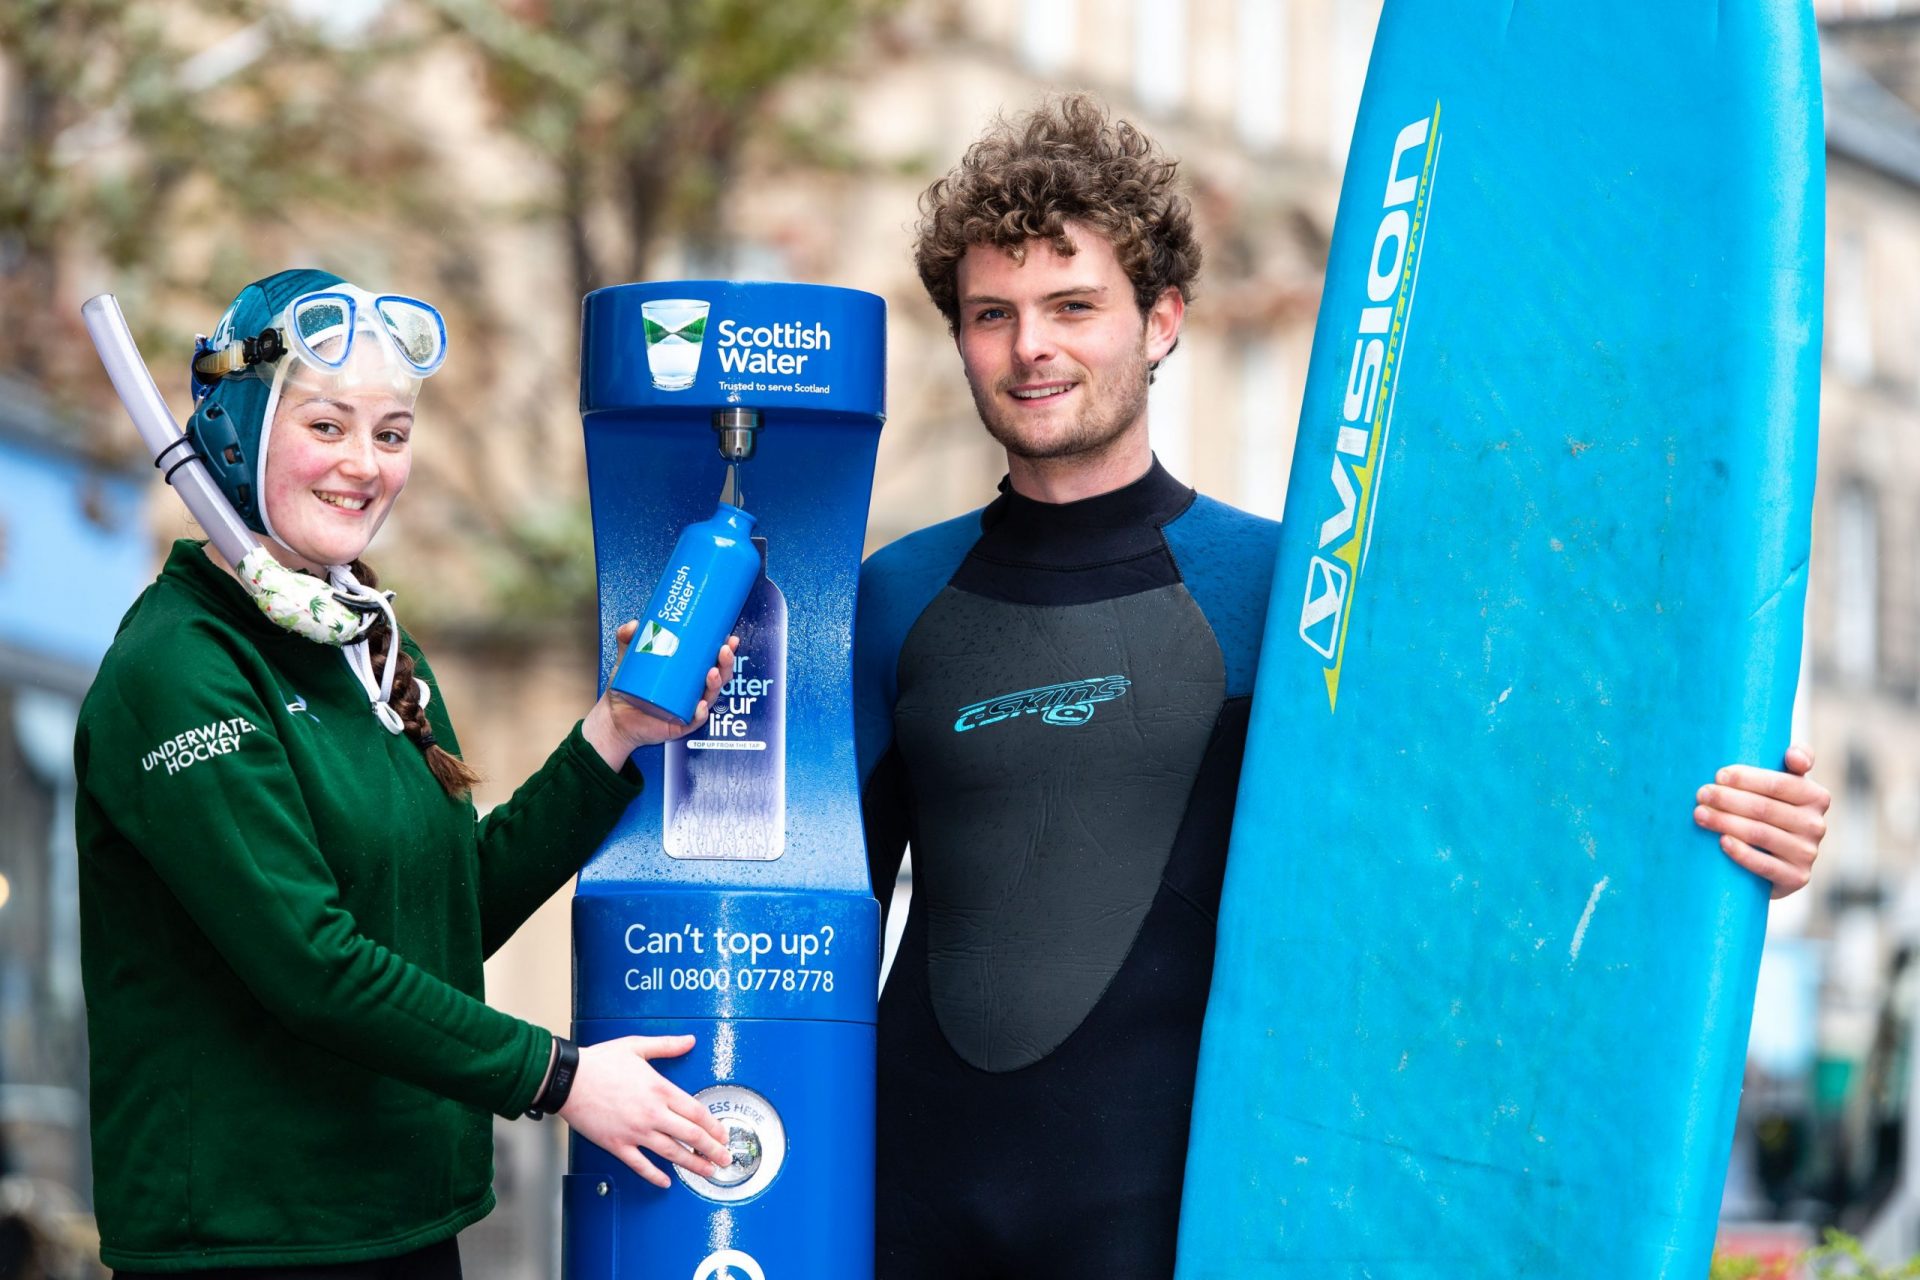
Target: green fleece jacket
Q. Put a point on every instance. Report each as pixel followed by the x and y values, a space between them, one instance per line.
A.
pixel 283 919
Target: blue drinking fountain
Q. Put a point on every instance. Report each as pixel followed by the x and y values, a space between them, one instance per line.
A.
pixel 732 900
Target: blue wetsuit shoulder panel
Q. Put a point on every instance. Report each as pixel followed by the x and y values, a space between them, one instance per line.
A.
pixel 897 583
pixel 1226 559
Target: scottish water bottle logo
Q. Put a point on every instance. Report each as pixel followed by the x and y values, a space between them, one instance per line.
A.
pixel 657 640
pixel 676 328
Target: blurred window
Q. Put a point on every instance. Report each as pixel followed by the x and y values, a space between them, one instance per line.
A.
pixel 1047 30
pixel 1855 976
pixel 1856 582
pixel 1261 82
pixel 1267 414
pixel 1353 26
pixel 1856 852
pixel 1850 308
pixel 1160 54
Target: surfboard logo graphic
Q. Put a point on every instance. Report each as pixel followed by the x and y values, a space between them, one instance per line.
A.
pixel 1325 605
pixel 1069 703
pixel 1373 378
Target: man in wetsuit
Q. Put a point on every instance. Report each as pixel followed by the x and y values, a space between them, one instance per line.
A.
pixel 1052 700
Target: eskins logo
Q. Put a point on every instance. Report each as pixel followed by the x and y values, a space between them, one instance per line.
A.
pixel 1069 703
pixel 1373 375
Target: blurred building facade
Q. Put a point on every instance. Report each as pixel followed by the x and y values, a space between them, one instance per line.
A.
pixel 1257 97
pixel 1832 1056
pixel 1863 633
pixel 65 519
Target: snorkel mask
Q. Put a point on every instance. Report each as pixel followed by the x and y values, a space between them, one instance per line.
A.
pixel 305 325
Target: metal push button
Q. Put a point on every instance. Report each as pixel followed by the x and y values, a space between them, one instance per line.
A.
pixel 756 1137
pixel 744 1145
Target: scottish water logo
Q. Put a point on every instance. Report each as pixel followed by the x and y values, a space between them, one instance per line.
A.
pixel 781 349
pixel 676 329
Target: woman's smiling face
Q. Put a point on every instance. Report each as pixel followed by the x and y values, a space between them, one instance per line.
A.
pixel 338 457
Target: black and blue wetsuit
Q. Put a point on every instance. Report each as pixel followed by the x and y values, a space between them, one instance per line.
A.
pixel 1052 705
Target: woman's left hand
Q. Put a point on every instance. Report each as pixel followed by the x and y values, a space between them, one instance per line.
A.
pixel 617 726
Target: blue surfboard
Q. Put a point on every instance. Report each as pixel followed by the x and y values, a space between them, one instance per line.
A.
pixel 1482 990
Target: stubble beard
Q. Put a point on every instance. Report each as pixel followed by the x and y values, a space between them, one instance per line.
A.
pixel 1104 418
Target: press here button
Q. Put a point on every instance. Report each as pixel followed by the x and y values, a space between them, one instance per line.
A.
pixel 756 1137
pixel 744 1145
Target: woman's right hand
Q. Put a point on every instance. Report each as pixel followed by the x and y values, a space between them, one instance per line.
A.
pixel 616 726
pixel 621 1104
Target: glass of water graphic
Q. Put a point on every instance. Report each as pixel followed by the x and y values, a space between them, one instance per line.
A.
pixel 675 327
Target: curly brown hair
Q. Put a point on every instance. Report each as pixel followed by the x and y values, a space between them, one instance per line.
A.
pixel 1026 178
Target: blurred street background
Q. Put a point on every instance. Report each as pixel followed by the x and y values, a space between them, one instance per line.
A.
pixel 502 159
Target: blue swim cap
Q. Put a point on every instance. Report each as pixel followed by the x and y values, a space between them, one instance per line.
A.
pixel 230 408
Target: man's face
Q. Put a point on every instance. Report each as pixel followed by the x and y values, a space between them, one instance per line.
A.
pixel 1055 348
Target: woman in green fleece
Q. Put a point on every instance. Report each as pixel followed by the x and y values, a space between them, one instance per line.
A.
pixel 285 894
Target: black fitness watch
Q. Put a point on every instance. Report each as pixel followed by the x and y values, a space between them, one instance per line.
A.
pixel 553 1095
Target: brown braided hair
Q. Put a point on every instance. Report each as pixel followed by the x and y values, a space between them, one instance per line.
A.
pixel 455 776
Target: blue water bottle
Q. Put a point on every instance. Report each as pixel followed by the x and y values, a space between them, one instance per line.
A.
pixel 726 784
pixel 708 577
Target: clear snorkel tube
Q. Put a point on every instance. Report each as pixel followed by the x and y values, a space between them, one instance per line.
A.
pixel 301 603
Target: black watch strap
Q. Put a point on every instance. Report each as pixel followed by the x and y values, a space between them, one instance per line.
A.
pixel 566 1064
